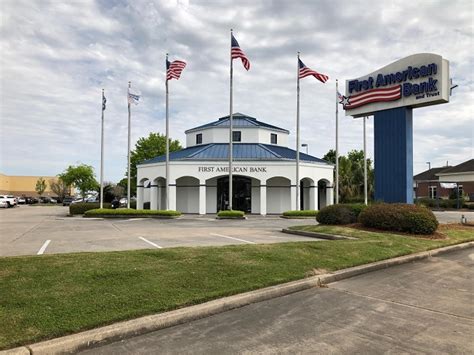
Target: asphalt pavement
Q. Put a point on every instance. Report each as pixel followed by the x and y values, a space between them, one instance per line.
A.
pixel 423 307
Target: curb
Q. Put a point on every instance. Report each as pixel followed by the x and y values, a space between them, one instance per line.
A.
pixel 118 331
pixel 316 235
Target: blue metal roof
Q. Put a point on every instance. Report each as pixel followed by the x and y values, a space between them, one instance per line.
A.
pixel 238 120
pixel 241 151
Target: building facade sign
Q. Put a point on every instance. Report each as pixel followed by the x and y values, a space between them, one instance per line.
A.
pixel 414 81
pixel 235 169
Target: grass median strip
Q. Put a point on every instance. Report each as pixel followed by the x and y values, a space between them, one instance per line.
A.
pixel 48 296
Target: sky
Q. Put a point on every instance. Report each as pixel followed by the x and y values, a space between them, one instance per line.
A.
pixel 56 56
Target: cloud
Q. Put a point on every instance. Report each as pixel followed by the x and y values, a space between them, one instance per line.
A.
pixel 57 56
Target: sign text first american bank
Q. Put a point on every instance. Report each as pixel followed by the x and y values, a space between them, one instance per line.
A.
pixel 401 76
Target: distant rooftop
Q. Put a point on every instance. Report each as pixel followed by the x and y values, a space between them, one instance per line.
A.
pixel 241 152
pixel 238 120
pixel 467 166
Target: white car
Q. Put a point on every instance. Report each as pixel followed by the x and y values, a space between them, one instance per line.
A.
pixel 3 204
pixel 10 200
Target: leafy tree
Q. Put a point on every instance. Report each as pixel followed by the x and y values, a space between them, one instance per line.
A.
pixel 40 186
pixel 351 175
pixel 147 148
pixel 60 188
pixel 81 176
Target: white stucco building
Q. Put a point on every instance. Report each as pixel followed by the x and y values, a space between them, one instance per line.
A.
pixel 264 172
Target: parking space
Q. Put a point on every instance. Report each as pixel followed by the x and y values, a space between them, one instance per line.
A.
pixel 28 230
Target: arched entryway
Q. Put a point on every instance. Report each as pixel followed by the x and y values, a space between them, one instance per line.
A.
pixel 242 191
pixel 323 193
pixel 278 194
pixel 158 194
pixel 187 194
pixel 307 194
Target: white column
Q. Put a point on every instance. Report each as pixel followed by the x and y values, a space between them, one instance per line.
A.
pixel 202 197
pixel 313 196
pixel 172 196
pixel 154 197
pixel 263 199
pixel 293 196
pixel 140 197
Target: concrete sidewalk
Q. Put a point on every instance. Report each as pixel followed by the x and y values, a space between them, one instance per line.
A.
pixel 420 307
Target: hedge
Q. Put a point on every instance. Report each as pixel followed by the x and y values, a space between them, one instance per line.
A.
pixel 81 207
pixel 131 212
pixel 344 213
pixel 303 213
pixel 399 217
pixel 231 214
pixel 337 214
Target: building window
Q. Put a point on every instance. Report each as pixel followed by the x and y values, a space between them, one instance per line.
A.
pixel 432 191
pixel 273 138
pixel 199 138
pixel 236 136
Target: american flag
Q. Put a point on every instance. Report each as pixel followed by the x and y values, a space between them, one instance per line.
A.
pixel 133 98
pixel 305 71
pixel 236 52
pixel 174 69
pixel 375 95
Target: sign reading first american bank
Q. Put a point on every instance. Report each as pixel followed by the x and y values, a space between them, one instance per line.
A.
pixel 414 81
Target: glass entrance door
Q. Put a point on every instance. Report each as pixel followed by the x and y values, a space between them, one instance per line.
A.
pixel 242 189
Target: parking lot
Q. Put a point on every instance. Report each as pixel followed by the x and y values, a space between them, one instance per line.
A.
pixel 31 230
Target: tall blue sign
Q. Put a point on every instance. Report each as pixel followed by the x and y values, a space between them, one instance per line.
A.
pixel 390 94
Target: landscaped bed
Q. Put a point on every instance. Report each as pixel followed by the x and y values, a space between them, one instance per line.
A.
pixel 48 296
pixel 294 214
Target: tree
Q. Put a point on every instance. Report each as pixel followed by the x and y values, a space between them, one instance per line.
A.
pixel 60 188
pixel 40 186
pixel 82 177
pixel 351 175
pixel 147 148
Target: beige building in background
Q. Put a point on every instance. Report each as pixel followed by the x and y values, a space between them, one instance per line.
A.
pixel 24 185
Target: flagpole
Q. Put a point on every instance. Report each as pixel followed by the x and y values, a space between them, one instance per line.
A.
pixel 365 162
pixel 167 143
pixel 230 125
pixel 337 146
pixel 297 131
pixel 128 151
pixel 102 156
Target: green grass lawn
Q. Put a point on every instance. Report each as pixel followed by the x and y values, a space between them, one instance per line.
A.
pixel 48 296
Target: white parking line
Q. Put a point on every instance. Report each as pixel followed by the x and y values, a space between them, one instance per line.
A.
pixel 151 243
pixel 226 236
pixel 43 248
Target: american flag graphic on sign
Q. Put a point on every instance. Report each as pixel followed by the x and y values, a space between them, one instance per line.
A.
pixel 374 95
pixel 305 71
pixel 236 52
pixel 174 69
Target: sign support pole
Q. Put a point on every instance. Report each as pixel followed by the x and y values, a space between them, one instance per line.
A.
pixel 102 156
pixel 365 162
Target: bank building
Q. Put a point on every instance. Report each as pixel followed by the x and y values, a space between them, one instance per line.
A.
pixel 264 172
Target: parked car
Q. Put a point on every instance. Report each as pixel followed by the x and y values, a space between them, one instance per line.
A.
pixel 67 200
pixel 9 199
pixel 31 200
pixel 3 204
pixel 21 200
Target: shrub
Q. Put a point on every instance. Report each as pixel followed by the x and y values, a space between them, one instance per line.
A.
pixel 80 208
pixel 231 214
pixel 303 213
pixel 357 208
pixel 399 217
pixel 131 212
pixel 336 214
